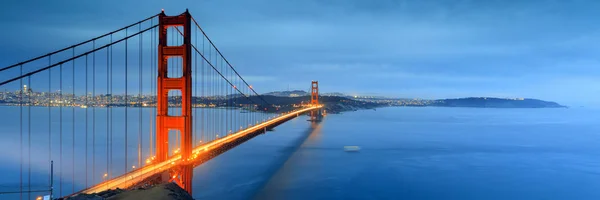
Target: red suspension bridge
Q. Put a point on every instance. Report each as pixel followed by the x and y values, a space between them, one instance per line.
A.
pixel 92 107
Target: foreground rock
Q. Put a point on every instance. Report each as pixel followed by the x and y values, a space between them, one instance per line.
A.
pixel 166 191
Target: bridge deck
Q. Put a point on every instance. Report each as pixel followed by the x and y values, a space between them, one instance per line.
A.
pixel 133 177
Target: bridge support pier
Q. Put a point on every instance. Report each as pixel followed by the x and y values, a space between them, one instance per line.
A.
pixel 316 115
pixel 182 176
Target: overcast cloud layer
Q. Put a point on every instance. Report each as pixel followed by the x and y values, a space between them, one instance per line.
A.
pixel 417 49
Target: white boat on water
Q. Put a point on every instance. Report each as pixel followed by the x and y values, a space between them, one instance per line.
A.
pixel 351 148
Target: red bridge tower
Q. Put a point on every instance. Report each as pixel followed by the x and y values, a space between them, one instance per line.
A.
pixel 314 101
pixel 165 122
pixel 314 93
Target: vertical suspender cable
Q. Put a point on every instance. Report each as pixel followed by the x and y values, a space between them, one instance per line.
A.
pixel 218 92
pixel 224 88
pixel 213 101
pixel 151 90
pixel 231 109
pixel 150 136
pixel 94 115
pixel 155 85
pixel 140 101
pixel 49 117
pixel 107 112
pixel 86 121
pixel 228 102
pixel 195 102
pixel 209 86
pixel 223 117
pixel 231 129
pixel 126 101
pixel 111 108
pixel 21 132
pixel 204 95
pixel 61 122
pixel 210 98
pixel 29 137
pixel 197 95
pixel 215 95
pixel 73 126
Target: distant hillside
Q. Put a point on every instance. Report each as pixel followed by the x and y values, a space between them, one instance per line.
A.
pixel 333 104
pixel 294 93
pixel 486 102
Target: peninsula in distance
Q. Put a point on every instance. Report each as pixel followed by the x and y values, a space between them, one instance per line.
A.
pixel 337 102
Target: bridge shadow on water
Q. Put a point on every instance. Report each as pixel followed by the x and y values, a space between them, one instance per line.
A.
pixel 281 171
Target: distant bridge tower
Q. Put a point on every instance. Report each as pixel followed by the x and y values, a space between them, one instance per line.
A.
pixel 314 93
pixel 315 115
pixel 165 122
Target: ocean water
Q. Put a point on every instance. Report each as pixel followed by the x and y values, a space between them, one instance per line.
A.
pixel 406 153
pixel 416 153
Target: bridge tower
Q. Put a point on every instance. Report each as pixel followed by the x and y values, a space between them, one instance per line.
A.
pixel 315 115
pixel 165 122
pixel 314 93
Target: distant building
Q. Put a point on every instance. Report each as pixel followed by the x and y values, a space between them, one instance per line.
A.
pixel 27 90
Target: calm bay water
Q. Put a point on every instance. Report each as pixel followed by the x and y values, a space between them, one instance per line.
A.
pixel 416 153
pixel 406 153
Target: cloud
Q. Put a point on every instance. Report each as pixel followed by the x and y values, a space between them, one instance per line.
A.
pixel 429 48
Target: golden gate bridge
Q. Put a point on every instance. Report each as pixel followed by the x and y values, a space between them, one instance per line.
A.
pixel 160 81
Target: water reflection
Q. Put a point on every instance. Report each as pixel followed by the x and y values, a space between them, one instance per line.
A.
pixel 274 187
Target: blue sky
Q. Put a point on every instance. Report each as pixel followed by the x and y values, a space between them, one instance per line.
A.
pixel 417 49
